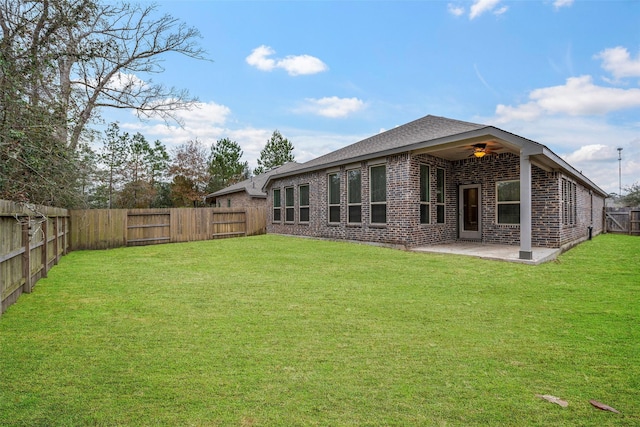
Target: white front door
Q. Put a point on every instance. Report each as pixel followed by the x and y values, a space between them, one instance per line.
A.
pixel 469 212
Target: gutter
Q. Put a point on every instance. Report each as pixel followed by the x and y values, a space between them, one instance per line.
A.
pixel 532 148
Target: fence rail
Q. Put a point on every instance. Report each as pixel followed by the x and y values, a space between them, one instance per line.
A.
pixel 32 240
pixel 112 228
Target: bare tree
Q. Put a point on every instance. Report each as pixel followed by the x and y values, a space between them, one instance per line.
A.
pixel 95 55
pixel 61 62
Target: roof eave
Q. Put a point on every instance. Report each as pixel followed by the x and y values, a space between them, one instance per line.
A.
pixel 527 146
pixel 573 172
pixel 223 193
pixel 398 150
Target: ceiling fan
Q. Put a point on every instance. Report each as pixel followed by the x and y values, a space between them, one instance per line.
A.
pixel 480 150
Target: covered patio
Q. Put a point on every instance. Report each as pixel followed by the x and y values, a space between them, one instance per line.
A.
pixel 492 252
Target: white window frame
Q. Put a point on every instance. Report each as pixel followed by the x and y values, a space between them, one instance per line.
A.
pixel 507 202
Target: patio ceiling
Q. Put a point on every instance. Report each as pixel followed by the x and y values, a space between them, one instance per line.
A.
pixel 460 150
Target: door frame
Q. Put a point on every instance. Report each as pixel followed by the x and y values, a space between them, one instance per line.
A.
pixel 469 234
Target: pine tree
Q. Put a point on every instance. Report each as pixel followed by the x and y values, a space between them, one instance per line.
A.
pixel 225 167
pixel 277 152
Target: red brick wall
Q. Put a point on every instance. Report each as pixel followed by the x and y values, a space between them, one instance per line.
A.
pixel 239 200
pixel 403 218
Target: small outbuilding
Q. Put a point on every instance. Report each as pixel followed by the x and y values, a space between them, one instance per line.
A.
pixel 245 194
pixel 437 180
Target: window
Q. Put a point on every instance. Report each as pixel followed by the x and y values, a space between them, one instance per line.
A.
pixel 378 193
pixel 354 196
pixel 440 186
pixel 569 211
pixel 334 197
pixel 276 205
pixel 424 194
pixel 288 205
pixel 303 203
pixel 228 203
pixel 508 202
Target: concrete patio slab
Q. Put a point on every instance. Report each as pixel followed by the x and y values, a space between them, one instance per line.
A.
pixel 492 252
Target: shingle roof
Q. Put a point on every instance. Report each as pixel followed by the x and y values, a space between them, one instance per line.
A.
pixel 421 130
pixel 424 131
pixel 253 186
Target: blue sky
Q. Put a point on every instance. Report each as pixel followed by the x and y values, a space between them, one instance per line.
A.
pixel 330 73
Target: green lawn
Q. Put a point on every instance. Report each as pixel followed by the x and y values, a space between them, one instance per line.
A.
pixel 274 330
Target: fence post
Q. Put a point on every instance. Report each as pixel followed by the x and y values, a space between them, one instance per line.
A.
pixel 45 246
pixel 55 240
pixel 26 257
pixel 66 221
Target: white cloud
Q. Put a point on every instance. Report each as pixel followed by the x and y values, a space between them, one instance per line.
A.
pixel 332 107
pixel 599 163
pixel 501 10
pixel 619 63
pixel 589 144
pixel 578 96
pixel 295 65
pixel 562 3
pixel 210 122
pixel 311 144
pixel 507 113
pixel 206 122
pixel 302 64
pixel 206 113
pixel 455 10
pixel 258 58
pixel 592 153
pixel 121 81
pixel 481 6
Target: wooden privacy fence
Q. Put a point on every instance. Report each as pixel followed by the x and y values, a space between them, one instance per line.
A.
pixel 623 220
pixel 32 240
pixel 112 228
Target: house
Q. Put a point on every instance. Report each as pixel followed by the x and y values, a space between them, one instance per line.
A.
pixel 245 194
pixel 438 180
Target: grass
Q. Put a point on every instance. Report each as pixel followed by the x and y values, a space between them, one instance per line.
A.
pixel 274 330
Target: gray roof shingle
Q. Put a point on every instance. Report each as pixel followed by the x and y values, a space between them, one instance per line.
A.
pixel 253 186
pixel 428 129
pixel 425 129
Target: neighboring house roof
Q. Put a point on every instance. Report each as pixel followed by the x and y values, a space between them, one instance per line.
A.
pixel 252 186
pixel 447 138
